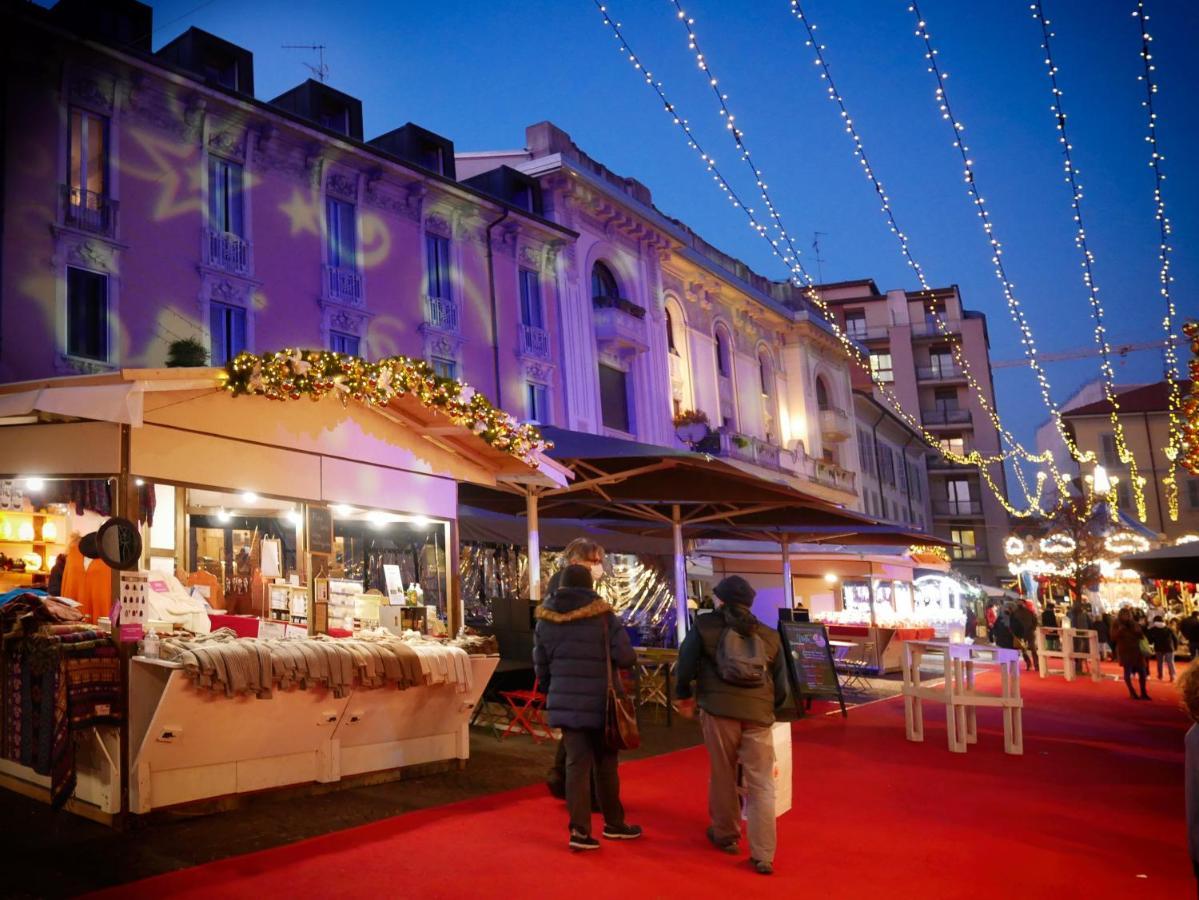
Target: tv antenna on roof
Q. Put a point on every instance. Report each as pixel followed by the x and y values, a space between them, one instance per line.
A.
pixel 320 70
pixel 816 236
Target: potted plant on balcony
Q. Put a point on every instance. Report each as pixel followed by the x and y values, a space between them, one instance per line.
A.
pixel 740 441
pixel 691 426
pixel 186 352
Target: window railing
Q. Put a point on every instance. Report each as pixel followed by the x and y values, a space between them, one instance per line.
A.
pixel 89 211
pixel 945 416
pixel 442 313
pixel 625 306
pixel 957 508
pixel 344 284
pixel 228 251
pixel 932 329
pixel 534 341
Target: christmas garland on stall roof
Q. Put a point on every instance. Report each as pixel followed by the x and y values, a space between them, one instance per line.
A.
pixel 291 374
pixel 1190 405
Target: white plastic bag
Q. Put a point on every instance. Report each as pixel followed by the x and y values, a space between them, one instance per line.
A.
pixel 780 734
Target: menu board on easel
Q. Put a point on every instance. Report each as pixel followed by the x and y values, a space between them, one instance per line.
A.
pixel 810 662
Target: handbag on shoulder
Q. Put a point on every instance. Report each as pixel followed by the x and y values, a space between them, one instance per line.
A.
pixel 620 716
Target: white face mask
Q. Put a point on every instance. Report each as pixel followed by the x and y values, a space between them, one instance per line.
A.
pixel 597 571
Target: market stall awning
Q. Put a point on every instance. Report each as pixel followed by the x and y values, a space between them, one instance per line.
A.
pixel 485 527
pixel 1177 563
pixel 187 398
pixel 625 480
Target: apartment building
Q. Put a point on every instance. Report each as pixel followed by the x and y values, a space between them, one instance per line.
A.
pixel 1145 420
pixel 150 197
pixel 915 356
pixel 655 321
pixel 892 464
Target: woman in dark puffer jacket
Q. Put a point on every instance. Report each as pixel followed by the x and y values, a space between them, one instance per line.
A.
pixel 571 664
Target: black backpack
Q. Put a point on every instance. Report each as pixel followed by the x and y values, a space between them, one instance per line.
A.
pixel 741 658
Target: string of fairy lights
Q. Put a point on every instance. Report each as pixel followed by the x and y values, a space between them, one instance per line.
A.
pixel 1170 320
pixel 1088 259
pixel 974 458
pixel 1014 306
pixel 931 308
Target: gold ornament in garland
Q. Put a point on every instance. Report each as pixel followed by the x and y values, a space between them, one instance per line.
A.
pixel 292 374
pixel 1189 455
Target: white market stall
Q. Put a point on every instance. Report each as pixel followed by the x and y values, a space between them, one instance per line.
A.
pixel 319 466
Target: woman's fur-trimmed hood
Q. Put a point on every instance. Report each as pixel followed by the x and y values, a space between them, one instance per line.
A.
pixel 571 605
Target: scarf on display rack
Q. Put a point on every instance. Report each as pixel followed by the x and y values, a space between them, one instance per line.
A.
pixel 95 494
pixel 59 676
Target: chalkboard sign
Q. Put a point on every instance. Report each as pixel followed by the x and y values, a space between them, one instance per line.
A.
pixel 810 662
pixel 320 529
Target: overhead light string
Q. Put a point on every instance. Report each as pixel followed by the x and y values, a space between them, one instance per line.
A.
pixel 738 136
pixel 1009 289
pixel 1173 449
pixel 927 291
pixel 801 277
pixel 1088 260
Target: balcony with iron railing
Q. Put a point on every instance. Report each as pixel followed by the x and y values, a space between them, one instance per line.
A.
pixel 534 341
pixel 746 448
pixel 89 211
pixel 441 313
pixel 620 326
pixel 957 508
pixel 946 416
pixel 930 329
pixel 943 372
pixel 344 285
pixel 227 251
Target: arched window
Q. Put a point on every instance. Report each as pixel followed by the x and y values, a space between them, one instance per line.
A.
pixel 765 373
pixel 723 361
pixel 670 332
pixel 821 394
pixel 603 282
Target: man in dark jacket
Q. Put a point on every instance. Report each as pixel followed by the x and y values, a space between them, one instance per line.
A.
pixel 1024 627
pixel 736 718
pixel 576 633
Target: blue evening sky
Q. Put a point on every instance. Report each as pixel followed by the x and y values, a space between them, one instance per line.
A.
pixel 479 72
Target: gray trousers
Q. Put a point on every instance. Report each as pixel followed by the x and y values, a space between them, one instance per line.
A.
pixel 729 742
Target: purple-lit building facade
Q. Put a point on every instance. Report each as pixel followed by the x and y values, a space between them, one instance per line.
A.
pixel 151 197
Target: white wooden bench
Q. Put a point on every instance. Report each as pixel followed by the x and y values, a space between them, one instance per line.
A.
pixel 959 693
pixel 1067 653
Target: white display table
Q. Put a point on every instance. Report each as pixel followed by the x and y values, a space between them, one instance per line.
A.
pixel 189 743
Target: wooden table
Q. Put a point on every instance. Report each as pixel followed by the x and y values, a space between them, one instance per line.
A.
pixel 1067 653
pixel 959 694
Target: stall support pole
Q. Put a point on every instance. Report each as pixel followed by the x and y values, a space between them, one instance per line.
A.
pixel 126 506
pixel 534 548
pixel 788 587
pixel 680 573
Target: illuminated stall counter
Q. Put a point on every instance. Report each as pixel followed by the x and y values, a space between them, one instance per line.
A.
pixel 189 743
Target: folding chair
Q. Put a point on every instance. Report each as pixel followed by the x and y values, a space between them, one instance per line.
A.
pixel 526 709
pixel 854 667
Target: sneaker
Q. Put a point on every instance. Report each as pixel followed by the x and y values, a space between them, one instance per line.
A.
pixel 622 832
pixel 729 847
pixel 761 867
pixel 583 842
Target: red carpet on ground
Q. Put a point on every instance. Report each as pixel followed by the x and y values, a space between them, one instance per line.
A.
pixel 1093 809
